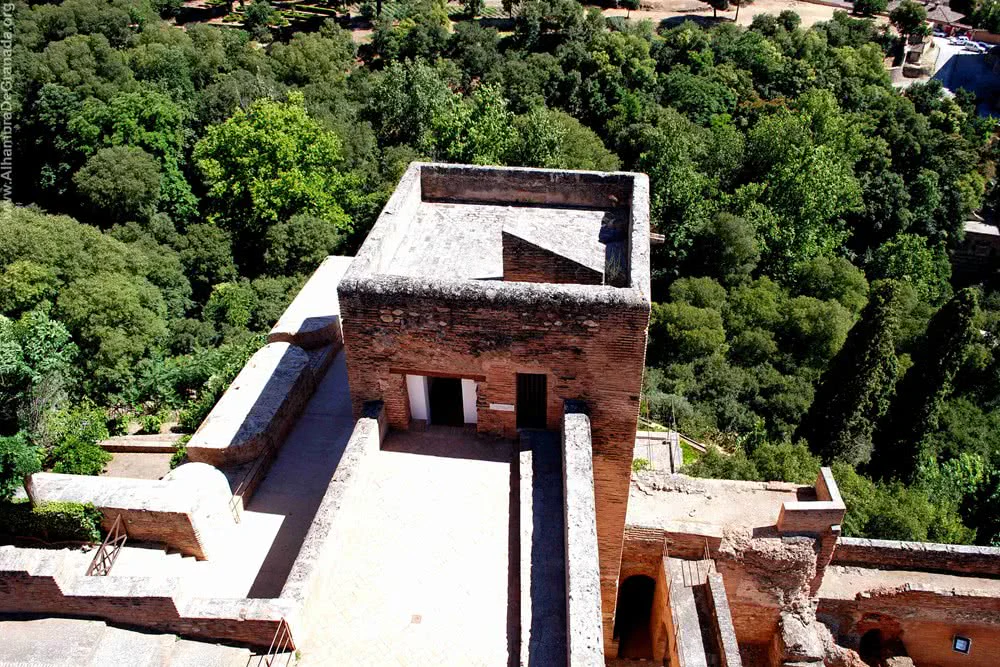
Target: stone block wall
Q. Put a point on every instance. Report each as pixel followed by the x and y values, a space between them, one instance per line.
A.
pixel 925 556
pixel 584 632
pixel 186 513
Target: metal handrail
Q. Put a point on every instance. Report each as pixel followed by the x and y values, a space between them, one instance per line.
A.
pixel 107 553
pixel 280 643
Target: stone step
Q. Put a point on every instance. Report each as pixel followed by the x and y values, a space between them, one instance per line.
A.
pixel 200 654
pixel 156 443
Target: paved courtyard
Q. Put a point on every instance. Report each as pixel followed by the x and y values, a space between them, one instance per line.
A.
pixel 420 572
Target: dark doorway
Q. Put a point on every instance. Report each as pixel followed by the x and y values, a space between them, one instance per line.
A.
pixel 445 396
pixel 530 400
pixel 870 649
pixel 635 604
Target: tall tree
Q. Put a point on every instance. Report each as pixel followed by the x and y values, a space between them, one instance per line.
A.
pixel 854 391
pixel 925 387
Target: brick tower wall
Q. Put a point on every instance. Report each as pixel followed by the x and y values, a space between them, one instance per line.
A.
pixel 589 350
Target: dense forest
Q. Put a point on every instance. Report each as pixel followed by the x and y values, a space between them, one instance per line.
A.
pixel 174 186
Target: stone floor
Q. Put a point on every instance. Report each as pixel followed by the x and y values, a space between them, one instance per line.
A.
pixel 421 574
pixel 464 240
pixel 138 465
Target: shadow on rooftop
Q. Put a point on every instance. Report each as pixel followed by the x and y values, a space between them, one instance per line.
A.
pixel 450 442
pixel 297 480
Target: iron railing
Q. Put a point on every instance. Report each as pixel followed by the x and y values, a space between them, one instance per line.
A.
pixel 281 644
pixel 107 553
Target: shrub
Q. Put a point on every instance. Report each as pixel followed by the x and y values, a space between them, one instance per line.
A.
pixel 180 454
pixel 18 459
pixel 76 433
pixel 638 465
pixel 151 424
pixel 52 522
pixel 117 425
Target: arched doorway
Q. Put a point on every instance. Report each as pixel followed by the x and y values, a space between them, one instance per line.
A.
pixel 870 648
pixel 635 604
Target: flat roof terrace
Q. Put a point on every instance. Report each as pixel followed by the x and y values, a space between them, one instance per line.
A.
pixel 657 500
pixel 464 241
pixel 447 223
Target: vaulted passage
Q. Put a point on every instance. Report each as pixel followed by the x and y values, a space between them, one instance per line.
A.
pixel 635 604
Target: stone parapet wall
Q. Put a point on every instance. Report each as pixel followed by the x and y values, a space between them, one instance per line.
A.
pixel 584 633
pixel 261 405
pixel 313 318
pixel 183 512
pixel 818 517
pixel 725 633
pixel 926 556
pixel 53 583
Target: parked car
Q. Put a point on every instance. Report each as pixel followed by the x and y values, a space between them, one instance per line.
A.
pixel 958 40
pixel 973 47
pixel 940 33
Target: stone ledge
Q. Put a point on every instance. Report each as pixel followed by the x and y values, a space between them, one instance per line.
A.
pixel 184 511
pixel 313 318
pixel 258 409
pixel 157 443
pixel 52 583
pixel 924 556
pixel 585 633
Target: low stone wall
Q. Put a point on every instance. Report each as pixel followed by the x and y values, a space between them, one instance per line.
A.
pixel 725 633
pixel 313 318
pixel 184 511
pixel 925 556
pixel 584 633
pixel 53 582
pixel 816 517
pixel 261 405
pixel 306 574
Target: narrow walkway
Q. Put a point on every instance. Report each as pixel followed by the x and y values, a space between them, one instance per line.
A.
pixel 543 551
pixel 416 571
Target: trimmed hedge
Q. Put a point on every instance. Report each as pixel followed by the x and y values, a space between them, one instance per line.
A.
pixel 52 522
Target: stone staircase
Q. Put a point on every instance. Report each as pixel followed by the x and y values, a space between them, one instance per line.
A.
pixel 141 560
pixel 58 641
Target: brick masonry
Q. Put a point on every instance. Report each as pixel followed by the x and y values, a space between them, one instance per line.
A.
pixel 588 340
pixel 925 618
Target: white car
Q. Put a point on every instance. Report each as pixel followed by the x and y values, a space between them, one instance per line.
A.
pixel 974 48
pixel 958 40
pixel 940 33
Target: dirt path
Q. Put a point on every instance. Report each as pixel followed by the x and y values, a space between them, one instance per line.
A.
pixel 659 10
